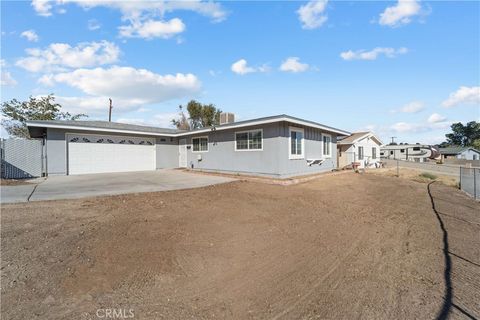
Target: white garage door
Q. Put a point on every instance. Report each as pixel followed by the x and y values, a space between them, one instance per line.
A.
pixel 100 153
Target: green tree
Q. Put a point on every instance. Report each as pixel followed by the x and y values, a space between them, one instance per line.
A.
pixel 464 135
pixel 17 113
pixel 199 116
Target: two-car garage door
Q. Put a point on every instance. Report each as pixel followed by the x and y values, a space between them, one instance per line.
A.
pixel 101 153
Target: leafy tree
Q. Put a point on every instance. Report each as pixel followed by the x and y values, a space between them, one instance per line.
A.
pixel 199 116
pixel 464 135
pixel 17 113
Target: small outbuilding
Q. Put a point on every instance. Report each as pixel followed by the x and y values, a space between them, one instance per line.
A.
pixel 360 148
pixel 465 153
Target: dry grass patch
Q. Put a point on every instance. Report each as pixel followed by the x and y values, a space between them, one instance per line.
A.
pixel 416 175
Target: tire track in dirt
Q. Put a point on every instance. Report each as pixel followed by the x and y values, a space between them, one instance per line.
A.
pixel 331 269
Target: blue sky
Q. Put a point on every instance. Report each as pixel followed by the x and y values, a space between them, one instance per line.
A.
pixel 400 68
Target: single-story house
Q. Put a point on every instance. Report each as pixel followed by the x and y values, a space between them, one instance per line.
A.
pixel 465 153
pixel 360 147
pixel 276 146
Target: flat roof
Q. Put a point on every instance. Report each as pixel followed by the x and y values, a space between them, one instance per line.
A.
pixel 157 131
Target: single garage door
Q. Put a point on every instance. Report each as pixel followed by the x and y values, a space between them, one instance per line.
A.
pixel 101 153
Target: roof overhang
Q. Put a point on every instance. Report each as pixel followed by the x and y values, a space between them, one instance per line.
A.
pixel 194 132
pixel 266 121
pixel 89 128
pixel 366 135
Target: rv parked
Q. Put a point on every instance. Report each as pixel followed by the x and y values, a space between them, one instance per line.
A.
pixel 409 152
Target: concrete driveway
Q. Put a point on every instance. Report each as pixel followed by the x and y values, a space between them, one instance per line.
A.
pixel 89 185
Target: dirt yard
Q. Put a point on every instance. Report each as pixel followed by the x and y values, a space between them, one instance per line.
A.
pixel 14 182
pixel 339 247
pixel 416 175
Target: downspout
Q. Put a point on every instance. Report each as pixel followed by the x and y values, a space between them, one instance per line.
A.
pixel 45 157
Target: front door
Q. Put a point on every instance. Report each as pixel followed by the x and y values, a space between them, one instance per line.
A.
pixel 182 153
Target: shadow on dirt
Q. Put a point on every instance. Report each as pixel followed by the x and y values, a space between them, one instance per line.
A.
pixel 447 274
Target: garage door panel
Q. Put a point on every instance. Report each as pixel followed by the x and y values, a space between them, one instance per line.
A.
pixel 98 153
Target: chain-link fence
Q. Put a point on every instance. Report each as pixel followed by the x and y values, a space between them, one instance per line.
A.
pixel 470 181
pixel 21 158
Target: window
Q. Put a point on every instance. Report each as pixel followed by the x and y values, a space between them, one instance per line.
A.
pixel 249 140
pixel 474 157
pixel 416 148
pixel 360 153
pixel 402 150
pixel 200 144
pixel 374 153
pixel 391 153
pixel 327 145
pixel 296 143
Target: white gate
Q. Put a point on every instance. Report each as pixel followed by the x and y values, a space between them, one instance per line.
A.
pixel 182 153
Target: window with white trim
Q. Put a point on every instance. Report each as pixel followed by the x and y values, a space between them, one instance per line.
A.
pixel 296 143
pixel 249 140
pixel 327 146
pixel 374 153
pixel 200 144
pixel 360 153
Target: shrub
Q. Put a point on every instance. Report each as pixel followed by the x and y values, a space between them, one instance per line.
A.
pixel 428 175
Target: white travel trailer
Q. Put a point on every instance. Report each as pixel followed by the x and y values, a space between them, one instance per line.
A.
pixel 409 152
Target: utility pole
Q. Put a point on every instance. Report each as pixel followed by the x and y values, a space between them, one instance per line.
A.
pixel 110 111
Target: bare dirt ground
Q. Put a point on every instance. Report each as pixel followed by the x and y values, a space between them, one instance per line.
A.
pixel 415 175
pixel 338 247
pixel 14 182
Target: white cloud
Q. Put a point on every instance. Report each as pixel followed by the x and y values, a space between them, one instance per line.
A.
pixel 6 79
pixel 42 7
pixel 145 19
pixel 401 13
pixel 293 64
pixel 436 118
pixel 30 35
pixel 150 29
pixel 412 107
pixel 129 88
pixel 404 127
pixel 58 56
pixel 372 54
pixel 93 25
pixel 93 105
pixel 137 9
pixel 312 14
pixel 464 95
pixel 241 67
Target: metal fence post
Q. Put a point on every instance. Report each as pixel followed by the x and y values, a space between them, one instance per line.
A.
pixel 398 170
pixel 460 183
pixel 475 183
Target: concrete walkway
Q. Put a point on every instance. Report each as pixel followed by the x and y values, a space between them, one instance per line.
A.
pixel 80 186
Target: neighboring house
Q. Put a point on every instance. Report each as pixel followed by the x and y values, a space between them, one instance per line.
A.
pixel 360 147
pixel 409 152
pixel 277 146
pixel 465 153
